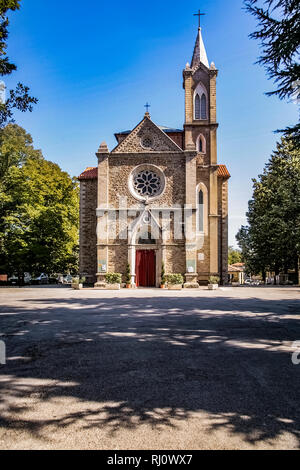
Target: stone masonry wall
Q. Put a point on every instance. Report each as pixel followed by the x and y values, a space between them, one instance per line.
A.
pixel 223 228
pixel 88 239
pixel 203 265
pixel 173 166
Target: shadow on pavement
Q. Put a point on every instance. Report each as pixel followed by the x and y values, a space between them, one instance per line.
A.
pixel 153 360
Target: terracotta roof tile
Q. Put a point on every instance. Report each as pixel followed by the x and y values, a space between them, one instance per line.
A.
pixel 89 173
pixel 223 172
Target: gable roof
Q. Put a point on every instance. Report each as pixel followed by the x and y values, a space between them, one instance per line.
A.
pixel 132 141
pixel 163 128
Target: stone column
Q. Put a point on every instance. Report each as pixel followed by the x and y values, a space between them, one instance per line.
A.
pixel 213 183
pixel 189 108
pixel 190 221
pixel 213 73
pixel 187 85
pixel 102 214
pixel 213 221
pixel 131 259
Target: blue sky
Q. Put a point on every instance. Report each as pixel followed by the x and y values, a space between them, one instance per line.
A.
pixel 93 66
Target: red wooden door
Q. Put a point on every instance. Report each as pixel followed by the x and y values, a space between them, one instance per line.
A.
pixel 145 268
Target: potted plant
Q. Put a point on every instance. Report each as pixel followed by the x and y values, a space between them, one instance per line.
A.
pixel 163 276
pixel 77 283
pixel 113 281
pixel 213 282
pixel 174 281
pixel 128 277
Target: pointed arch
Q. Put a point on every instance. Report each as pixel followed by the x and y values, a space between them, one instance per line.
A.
pixel 201 144
pixel 200 102
pixel 145 223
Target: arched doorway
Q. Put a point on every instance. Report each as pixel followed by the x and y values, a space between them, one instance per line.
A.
pixel 145 251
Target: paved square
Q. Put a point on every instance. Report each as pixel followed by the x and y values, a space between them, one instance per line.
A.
pixel 149 369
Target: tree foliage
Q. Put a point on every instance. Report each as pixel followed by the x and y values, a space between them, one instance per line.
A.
pixel 39 207
pixel 18 99
pixel 279 35
pixel 16 146
pixel 271 242
pixel 234 256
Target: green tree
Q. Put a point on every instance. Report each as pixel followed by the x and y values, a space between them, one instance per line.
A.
pixel 39 210
pixel 279 32
pixel 255 262
pixel 19 98
pixel 16 147
pixel 272 239
pixel 234 256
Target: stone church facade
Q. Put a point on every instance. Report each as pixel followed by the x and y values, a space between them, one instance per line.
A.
pixel 160 195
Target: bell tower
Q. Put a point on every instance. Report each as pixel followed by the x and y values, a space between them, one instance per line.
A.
pixel 200 131
pixel 199 83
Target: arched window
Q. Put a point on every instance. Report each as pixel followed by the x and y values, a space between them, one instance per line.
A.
pixel 201 211
pixel 197 107
pixel 203 107
pixel 201 144
pixel 200 102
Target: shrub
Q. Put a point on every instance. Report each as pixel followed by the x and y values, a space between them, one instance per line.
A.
pixel 128 276
pixel 113 278
pixel 214 280
pixel 174 279
pixel 77 280
pixel 163 274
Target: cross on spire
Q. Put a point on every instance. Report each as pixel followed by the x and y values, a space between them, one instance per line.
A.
pixel 199 14
pixel 147 106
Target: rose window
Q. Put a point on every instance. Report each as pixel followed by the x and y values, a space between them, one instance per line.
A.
pixel 147 183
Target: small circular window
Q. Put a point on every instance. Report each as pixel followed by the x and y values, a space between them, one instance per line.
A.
pixel 147 142
pixel 146 182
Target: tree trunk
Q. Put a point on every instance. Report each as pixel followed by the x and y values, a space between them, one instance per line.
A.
pixel 276 273
pixel 20 278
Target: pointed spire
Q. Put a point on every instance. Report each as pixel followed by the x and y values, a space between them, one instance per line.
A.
pixel 199 55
